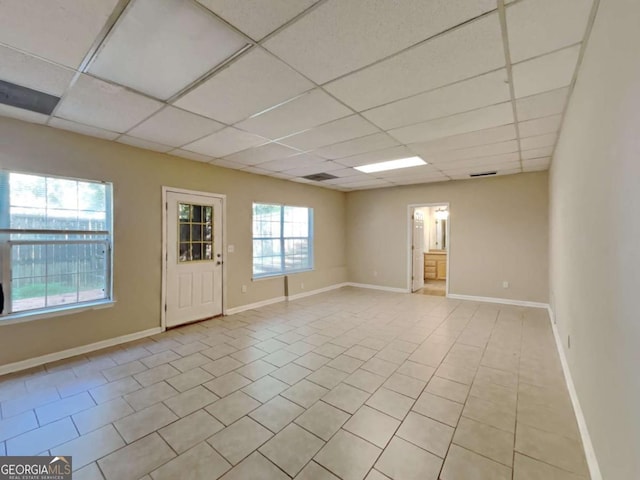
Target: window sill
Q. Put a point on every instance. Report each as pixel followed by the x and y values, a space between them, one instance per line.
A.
pixel 21 317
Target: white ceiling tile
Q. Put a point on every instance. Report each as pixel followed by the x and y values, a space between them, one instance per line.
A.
pixel 161 47
pixel 539 141
pixel 225 164
pixel 225 142
pixel 331 133
pixel 289 163
pixel 472 139
pixel 477 92
pixel 146 144
pixel 58 30
pixel 542 105
pixel 191 155
pixel 261 154
pixel 257 19
pixel 478 163
pixel 540 126
pixel 373 183
pixel 370 143
pixel 253 83
pixel 63 124
pixel 257 171
pixel 419 171
pixel 175 127
pixel 545 73
pixel 362 178
pixel 31 72
pixel 326 166
pixel 510 146
pixel 536 165
pixel 540 26
pixel 311 109
pixel 21 114
pixel 104 105
pixel 418 181
pixel 378 156
pixel 340 36
pixel 462 53
pixel 347 172
pixel 487 117
pixel 537 152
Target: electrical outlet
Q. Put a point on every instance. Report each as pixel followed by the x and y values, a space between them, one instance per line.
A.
pixel 301 285
pixel 505 284
pixel 375 273
pixel 244 289
pixel 231 248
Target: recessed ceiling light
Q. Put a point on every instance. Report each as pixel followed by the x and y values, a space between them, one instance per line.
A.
pixel 392 165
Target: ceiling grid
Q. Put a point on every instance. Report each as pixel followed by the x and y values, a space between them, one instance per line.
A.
pixel 306 87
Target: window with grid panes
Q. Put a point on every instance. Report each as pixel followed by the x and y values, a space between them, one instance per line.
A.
pixel 282 239
pixel 55 243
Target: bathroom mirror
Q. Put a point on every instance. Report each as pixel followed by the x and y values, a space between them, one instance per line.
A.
pixel 438 238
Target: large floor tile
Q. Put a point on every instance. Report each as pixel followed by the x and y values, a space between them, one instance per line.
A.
pixel 372 425
pixel 403 460
pixel 137 459
pixel 292 448
pixel 426 433
pixel 190 430
pixel 277 413
pixel 238 440
pixel 323 420
pixel 348 456
pixel 346 397
pixel 199 463
pixel 462 464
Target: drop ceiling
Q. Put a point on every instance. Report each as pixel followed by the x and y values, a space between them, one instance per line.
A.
pixel 292 88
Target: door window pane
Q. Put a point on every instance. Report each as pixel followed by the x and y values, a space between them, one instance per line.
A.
pixel 195 229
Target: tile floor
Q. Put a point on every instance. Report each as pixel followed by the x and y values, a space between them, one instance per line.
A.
pixel 350 384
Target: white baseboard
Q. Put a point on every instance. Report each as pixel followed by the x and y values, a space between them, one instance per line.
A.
pixel 503 301
pixel 316 291
pixel 72 352
pixel 589 452
pixel 377 287
pixel 251 306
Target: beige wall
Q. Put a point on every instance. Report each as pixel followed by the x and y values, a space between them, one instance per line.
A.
pixel 499 231
pixel 137 177
pixel 595 237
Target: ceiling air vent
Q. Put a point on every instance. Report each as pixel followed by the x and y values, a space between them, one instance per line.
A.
pixel 26 98
pixel 319 177
pixel 483 174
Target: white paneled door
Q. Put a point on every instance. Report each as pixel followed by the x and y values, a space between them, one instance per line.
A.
pixel 417 251
pixel 194 258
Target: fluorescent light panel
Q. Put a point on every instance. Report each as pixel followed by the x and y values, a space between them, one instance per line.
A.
pixel 391 165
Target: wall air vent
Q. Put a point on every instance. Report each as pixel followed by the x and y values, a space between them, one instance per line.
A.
pixel 483 174
pixel 319 177
pixel 26 98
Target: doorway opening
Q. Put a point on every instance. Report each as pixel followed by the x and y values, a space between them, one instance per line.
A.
pixel 429 242
pixel 193 262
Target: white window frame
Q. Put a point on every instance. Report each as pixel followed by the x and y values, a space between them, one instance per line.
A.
pixel 7 317
pixel 310 238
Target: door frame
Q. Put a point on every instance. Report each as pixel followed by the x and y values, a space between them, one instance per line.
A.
pixel 410 209
pixel 223 199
